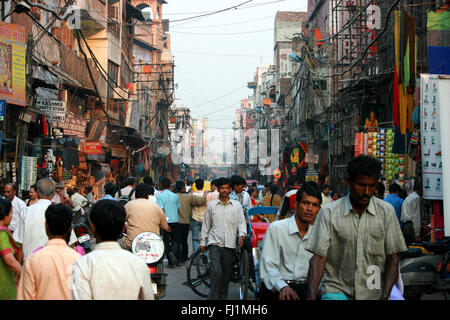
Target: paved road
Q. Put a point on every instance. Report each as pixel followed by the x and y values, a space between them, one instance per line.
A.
pixel 177 291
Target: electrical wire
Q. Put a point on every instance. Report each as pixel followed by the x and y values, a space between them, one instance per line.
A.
pixel 223 34
pixel 215 12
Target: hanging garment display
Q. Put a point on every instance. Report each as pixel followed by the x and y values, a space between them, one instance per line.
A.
pixel 28 172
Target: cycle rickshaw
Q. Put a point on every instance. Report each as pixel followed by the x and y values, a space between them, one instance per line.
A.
pixel 246 264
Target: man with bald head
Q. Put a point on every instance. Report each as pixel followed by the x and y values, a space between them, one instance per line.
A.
pixel 30 231
pixel 10 190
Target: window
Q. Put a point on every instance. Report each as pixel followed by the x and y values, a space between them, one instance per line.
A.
pixel 113 73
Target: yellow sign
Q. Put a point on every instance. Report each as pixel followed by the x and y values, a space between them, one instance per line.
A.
pixel 12 63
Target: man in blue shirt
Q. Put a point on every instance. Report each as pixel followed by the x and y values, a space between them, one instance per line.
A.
pixel 169 202
pixel 110 190
pixel 394 199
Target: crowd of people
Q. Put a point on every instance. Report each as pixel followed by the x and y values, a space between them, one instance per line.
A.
pixel 315 232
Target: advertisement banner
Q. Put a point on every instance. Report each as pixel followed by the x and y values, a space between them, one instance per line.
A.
pixel 430 128
pixel 93 148
pixel 12 63
pixel 55 111
pixel 444 98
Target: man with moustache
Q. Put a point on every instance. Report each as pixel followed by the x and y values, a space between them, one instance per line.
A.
pixel 223 224
pixel 356 241
pixel 284 260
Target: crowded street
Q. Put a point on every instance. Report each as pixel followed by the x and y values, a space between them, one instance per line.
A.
pixel 253 151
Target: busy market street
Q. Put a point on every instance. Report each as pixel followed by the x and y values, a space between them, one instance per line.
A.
pixel 253 151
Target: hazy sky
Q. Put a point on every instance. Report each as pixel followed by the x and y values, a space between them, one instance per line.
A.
pixel 216 55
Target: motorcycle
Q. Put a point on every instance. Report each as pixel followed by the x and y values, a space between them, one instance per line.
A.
pixel 80 225
pixel 419 269
pixel 149 247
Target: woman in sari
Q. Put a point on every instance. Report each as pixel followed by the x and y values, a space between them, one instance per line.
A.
pixel 10 267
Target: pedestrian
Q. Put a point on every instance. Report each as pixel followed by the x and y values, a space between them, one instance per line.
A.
pixel 47 273
pixel 128 190
pixel 151 194
pixel 214 194
pixel 326 199
pixel 110 190
pixel 356 241
pixel 335 196
pixel 10 268
pixel 170 203
pixel 61 197
pixel 10 190
pixel 188 202
pixel 224 223
pixel 34 197
pixel 266 189
pixel 280 190
pixel 150 183
pixel 238 184
pixel 284 260
pixel 198 213
pixel 79 202
pixel 142 216
pixel 90 195
pixel 272 199
pixel 30 231
pixel 411 214
pixel 380 190
pixel 394 199
pixel 288 206
pixel 110 272
pixel 253 196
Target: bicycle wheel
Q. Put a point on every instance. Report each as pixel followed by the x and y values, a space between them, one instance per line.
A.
pixel 197 273
pixel 244 270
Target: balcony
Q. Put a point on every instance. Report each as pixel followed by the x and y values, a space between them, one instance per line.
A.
pixel 93 14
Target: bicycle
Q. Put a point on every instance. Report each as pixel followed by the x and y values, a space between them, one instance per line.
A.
pixel 246 265
pixel 198 266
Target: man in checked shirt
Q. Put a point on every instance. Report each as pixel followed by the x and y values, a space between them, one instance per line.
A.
pixel 356 241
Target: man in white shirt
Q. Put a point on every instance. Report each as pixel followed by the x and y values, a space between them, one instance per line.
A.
pixel 326 199
pixel 18 205
pixel 131 183
pixel 110 272
pixel 224 222
pixel 150 183
pixel 412 211
pixel 30 231
pixel 284 260
pixel 78 201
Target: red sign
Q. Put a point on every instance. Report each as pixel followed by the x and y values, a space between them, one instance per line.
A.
pixel 93 148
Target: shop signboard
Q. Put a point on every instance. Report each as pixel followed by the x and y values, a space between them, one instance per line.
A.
pixel 73 127
pixel 430 128
pixel 92 148
pixel 312 158
pixel 12 63
pixel 312 175
pixel 54 110
pixel 2 110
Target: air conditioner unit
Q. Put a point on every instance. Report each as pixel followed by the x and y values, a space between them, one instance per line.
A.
pixel 272 68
